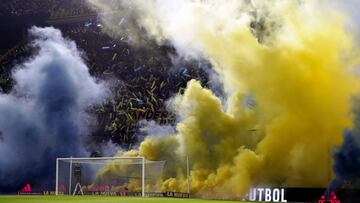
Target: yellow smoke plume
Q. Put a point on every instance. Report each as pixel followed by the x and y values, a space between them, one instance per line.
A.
pixel 300 75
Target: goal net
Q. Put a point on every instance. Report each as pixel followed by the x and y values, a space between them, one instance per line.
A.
pixel 108 176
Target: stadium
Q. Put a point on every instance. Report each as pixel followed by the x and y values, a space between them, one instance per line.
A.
pixel 190 101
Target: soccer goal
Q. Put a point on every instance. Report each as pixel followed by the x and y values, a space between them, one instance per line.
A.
pixel 108 176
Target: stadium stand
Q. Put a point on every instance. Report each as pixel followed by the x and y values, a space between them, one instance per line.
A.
pixel 142 80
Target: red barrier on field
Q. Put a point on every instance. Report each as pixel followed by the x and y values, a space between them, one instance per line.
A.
pixel 27 188
pixel 332 199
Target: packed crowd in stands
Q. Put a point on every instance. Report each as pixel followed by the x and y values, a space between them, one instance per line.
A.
pixel 8 60
pixel 142 80
pixel 145 79
pixel 54 8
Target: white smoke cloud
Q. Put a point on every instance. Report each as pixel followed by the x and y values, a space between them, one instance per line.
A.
pixel 154 129
pixel 174 21
pixel 44 116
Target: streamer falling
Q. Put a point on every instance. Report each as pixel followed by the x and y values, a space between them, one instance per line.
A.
pixel 294 60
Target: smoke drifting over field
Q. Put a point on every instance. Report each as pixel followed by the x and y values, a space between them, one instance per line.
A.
pixel 347 163
pixel 296 60
pixel 347 156
pixel 44 116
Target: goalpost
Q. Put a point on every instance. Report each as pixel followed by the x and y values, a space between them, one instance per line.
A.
pixel 131 176
pixel 113 172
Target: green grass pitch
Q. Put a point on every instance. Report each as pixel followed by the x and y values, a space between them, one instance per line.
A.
pixel 100 199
